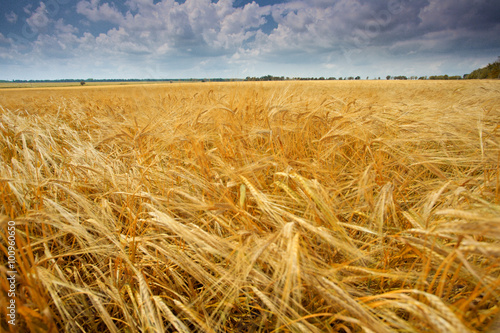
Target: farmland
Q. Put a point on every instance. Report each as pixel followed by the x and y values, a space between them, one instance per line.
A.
pixel 355 206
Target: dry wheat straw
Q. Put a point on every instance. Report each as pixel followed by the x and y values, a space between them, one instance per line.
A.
pixel 286 207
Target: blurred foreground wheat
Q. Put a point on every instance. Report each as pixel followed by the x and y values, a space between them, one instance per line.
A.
pixel 253 207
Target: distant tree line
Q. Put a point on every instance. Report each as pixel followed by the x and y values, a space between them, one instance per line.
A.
pixel 81 80
pixel 388 77
pixel 124 80
pixel 433 77
pixel 282 78
pixel 446 77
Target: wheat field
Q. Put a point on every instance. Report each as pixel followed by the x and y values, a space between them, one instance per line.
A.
pixel 360 206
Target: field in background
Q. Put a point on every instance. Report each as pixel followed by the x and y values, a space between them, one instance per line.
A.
pixel 216 207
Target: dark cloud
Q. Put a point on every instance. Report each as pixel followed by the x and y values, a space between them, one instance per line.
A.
pixel 460 14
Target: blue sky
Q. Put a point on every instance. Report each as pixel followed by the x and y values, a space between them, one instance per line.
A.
pixel 146 39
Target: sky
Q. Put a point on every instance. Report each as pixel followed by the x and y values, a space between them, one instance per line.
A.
pixel 155 39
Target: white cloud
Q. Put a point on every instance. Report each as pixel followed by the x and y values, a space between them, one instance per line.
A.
pixel 194 27
pixel 95 12
pixel 27 9
pixel 62 28
pixel 3 39
pixel 118 41
pixel 39 20
pixel 241 19
pixel 201 27
pixel 11 17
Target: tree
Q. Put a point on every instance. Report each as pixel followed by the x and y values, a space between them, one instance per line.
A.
pixel 388 77
pixel 491 71
pixel 82 83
